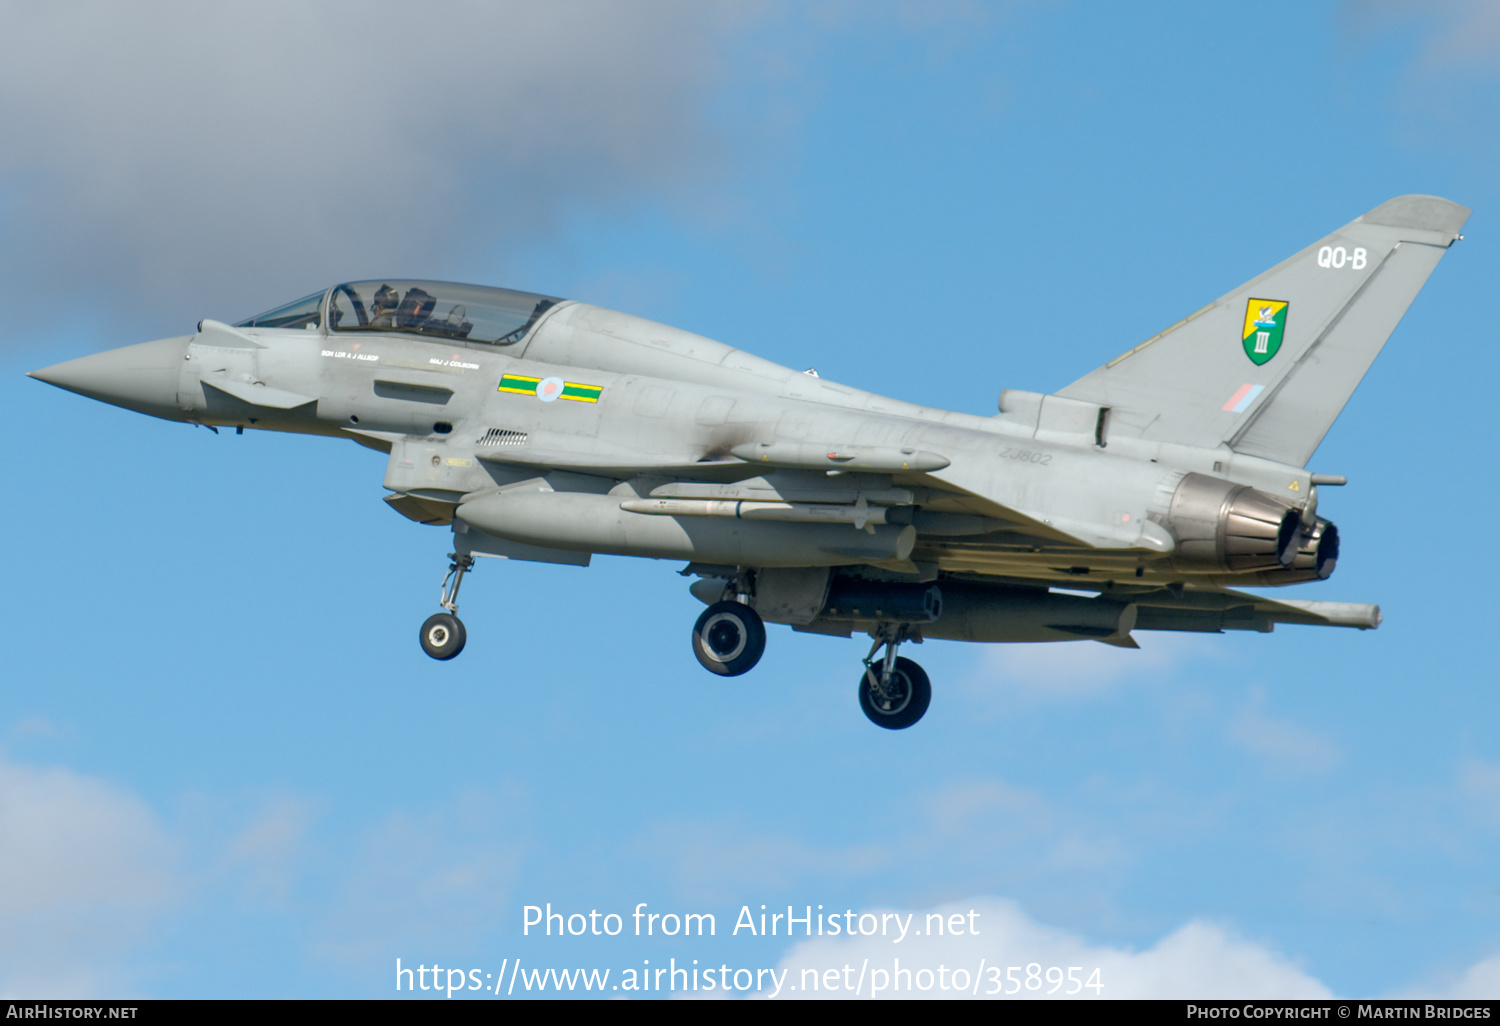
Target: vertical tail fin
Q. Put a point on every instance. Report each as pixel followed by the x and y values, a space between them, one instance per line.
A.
pixel 1269 366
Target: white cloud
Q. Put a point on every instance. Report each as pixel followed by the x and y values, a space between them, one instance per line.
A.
pixel 1480 981
pixel 85 868
pixel 173 159
pixel 268 854
pixel 717 860
pixel 1458 30
pixel 1443 94
pixel 1479 788
pixel 183 159
pixel 34 727
pixel 1076 669
pixel 1198 960
pixel 969 833
pixel 88 871
pixel 443 877
pixel 1286 745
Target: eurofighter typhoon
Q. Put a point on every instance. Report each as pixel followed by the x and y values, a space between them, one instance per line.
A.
pixel 1137 498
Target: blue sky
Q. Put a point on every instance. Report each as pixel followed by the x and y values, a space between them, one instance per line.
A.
pixel 226 769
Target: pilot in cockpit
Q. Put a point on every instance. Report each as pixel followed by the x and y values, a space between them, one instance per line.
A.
pixel 383 307
pixel 416 307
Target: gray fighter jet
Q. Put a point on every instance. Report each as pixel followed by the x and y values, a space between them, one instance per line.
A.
pixel 1135 499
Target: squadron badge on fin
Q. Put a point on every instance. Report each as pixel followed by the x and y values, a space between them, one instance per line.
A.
pixel 1265 324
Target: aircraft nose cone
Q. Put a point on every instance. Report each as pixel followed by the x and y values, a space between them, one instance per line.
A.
pixel 143 378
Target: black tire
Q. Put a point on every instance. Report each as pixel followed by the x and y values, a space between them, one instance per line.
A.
pixel 443 636
pixel 729 638
pixel 911 694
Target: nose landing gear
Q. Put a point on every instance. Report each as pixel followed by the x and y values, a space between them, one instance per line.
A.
pixel 893 692
pixel 443 635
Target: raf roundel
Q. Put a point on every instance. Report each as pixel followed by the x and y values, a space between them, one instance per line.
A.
pixel 549 389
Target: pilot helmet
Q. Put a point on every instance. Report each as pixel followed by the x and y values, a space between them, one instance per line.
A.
pixel 386 300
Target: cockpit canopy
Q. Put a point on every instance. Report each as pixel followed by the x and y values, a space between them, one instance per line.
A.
pixel 306 312
pixel 471 313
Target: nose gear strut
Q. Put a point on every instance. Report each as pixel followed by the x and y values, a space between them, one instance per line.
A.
pixel 461 565
pixel 443 635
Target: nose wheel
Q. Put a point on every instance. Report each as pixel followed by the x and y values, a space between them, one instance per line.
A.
pixel 443 634
pixel 894 692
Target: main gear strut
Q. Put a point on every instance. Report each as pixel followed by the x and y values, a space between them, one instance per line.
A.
pixel 893 692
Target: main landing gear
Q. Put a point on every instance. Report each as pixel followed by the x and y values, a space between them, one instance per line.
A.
pixel 893 692
pixel 729 638
pixel 443 634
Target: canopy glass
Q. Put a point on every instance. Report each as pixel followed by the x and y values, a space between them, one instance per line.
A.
pixel 471 313
pixel 306 312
